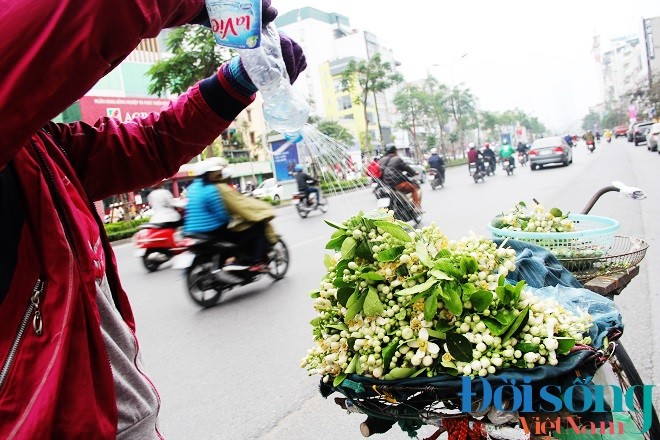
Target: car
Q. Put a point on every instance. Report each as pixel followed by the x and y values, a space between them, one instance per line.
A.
pixel 550 150
pixel 269 188
pixel 653 137
pixel 639 132
pixel 419 169
pixel 619 130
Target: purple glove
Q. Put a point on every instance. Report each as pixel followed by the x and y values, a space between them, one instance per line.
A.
pixel 293 56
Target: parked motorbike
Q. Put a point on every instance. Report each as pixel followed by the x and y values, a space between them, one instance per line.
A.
pixel 402 205
pixel 508 166
pixel 307 203
pixel 437 178
pixel 158 243
pixel 208 273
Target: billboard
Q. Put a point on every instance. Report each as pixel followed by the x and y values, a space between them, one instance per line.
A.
pixel 124 109
pixel 285 158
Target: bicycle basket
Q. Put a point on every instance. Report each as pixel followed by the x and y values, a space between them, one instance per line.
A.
pixel 592 239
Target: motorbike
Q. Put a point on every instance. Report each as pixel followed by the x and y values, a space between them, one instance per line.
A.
pixel 591 146
pixel 210 271
pixel 490 165
pixel 507 164
pixel 522 158
pixel 158 243
pixel 307 203
pixel 477 173
pixel 437 178
pixel 402 205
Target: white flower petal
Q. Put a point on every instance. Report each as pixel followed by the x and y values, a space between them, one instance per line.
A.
pixel 433 348
pixel 424 334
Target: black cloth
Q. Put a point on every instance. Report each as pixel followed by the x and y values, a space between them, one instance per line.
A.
pixel 303 180
pixel 393 168
pixel 12 215
pixel 436 162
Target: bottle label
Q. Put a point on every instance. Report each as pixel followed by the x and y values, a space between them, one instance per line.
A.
pixel 235 23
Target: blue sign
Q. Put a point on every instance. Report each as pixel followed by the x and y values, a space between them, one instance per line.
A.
pixel 506 138
pixel 285 158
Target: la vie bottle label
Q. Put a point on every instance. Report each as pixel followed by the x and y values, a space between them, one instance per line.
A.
pixel 235 23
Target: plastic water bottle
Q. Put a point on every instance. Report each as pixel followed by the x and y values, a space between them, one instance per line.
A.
pixel 284 109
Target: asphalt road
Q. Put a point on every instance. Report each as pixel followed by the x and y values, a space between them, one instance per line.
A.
pixel 232 371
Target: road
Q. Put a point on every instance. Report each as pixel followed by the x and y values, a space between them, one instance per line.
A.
pixel 232 371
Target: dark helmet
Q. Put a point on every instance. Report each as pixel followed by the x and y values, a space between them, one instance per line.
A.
pixel 390 149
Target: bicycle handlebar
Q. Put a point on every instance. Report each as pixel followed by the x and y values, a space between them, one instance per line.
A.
pixel 617 186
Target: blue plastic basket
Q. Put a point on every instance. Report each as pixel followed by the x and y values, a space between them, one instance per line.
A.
pixel 593 237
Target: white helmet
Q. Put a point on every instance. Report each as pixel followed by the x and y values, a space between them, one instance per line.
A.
pixel 209 165
pixel 471 145
pixel 227 172
pixel 434 151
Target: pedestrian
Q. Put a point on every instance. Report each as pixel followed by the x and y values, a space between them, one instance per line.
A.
pixel 74 369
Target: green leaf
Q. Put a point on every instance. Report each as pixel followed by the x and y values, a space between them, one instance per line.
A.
pixel 505 293
pixel 469 265
pixel 556 212
pixel 390 254
pixel 440 275
pixel 335 225
pixel 451 297
pixel 497 222
pixel 430 307
pixel 443 326
pixel 394 230
pixel 436 334
pixel 327 261
pixel 375 215
pixel 527 347
pixel 565 344
pixel 372 305
pixel 355 308
pixel 343 294
pixel 348 248
pixel 504 317
pixel 316 321
pixel 501 281
pixel 400 315
pixel 519 323
pixel 363 250
pixel 481 299
pixel 388 352
pixel 338 379
pixel 448 267
pixel 495 327
pixel 354 297
pixel 336 243
pixel 315 293
pixel 522 204
pixel 339 326
pixel 423 253
pixel 358 367
pixel 399 373
pixel 418 288
pixel 459 347
pixel 467 290
pixel 351 366
pixel 341 265
pixel 373 276
pixel 418 372
pixel 444 253
pixel 340 283
pixel 518 290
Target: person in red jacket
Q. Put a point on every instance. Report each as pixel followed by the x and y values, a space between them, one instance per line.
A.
pixel 373 169
pixel 69 360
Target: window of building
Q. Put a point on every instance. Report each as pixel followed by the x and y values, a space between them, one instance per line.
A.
pixel 248 113
pixel 344 102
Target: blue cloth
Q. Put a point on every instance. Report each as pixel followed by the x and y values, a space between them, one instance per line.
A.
pixel 205 211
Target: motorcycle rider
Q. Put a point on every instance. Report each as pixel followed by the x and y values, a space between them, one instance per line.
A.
pixel 608 135
pixel 393 168
pixel 435 161
pixel 373 169
pixel 522 150
pixel 489 156
pixel 306 184
pixel 506 153
pixel 164 207
pixel 589 138
pixel 475 157
pixel 206 212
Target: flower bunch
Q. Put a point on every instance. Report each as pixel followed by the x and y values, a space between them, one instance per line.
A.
pixel 536 219
pixel 397 302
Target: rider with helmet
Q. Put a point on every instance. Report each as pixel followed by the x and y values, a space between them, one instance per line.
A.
pixel 393 167
pixel 475 157
pixel 306 184
pixel 506 153
pixel 205 210
pixel 436 162
pixel 489 156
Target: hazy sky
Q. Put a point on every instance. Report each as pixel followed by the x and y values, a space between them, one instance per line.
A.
pixel 531 54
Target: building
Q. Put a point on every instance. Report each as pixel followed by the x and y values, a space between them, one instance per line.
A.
pixel 330 44
pixel 623 71
pixel 651 48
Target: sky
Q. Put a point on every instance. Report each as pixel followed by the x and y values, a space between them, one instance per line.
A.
pixel 530 54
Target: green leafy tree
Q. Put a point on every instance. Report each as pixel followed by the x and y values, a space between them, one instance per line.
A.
pixel 462 108
pixel 194 56
pixel 336 131
pixel 590 120
pixel 411 102
pixel 372 76
pixel 436 108
pixel 614 117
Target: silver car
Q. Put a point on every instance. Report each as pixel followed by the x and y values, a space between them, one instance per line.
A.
pixel 417 168
pixel 550 150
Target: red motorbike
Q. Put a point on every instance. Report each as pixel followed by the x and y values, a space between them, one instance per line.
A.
pixel 158 243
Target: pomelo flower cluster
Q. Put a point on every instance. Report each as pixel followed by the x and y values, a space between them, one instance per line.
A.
pixel 536 219
pixel 398 302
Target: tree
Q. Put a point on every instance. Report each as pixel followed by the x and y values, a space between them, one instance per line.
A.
pixel 437 106
pixel 411 102
pixel 371 76
pixel 591 120
pixel 462 108
pixel 335 131
pixel 195 56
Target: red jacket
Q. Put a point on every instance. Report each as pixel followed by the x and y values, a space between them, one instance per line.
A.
pixel 60 384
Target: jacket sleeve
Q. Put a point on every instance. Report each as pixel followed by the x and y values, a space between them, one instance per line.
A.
pixel 112 157
pixel 54 51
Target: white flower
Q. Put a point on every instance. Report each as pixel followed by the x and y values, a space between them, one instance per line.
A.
pixel 423 346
